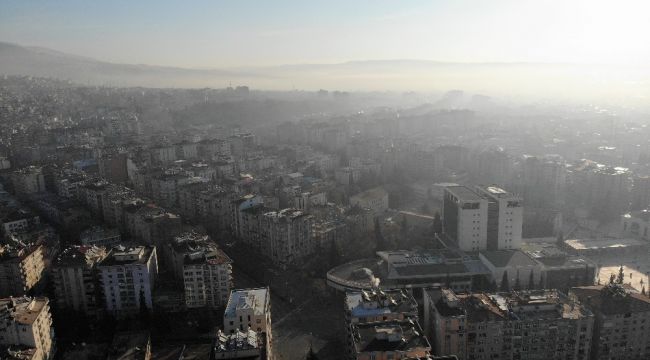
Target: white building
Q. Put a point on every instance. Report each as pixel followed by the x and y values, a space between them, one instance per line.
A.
pixel 250 309
pixel 465 218
pixel 127 276
pixel 504 219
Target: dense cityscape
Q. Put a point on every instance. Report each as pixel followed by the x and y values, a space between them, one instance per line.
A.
pixel 158 224
pixel 324 180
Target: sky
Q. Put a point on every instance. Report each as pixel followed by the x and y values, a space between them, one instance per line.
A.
pixel 215 33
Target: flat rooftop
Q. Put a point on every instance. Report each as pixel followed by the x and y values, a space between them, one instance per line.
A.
pixel 595 244
pixel 464 193
pixel 246 299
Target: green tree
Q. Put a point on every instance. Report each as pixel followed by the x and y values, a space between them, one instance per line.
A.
pixel 621 276
pixel 531 280
pixel 505 283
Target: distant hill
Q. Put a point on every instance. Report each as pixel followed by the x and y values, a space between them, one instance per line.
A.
pixel 538 81
pixel 19 60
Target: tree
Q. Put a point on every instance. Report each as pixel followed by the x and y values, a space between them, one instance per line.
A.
pixel 404 226
pixel 505 283
pixel 437 223
pixel 589 280
pixel 380 242
pixel 531 280
pixel 643 290
pixel 541 285
pixel 334 255
pixel 517 286
pixel 621 276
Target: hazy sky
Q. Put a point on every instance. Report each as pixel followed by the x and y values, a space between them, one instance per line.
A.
pixel 212 33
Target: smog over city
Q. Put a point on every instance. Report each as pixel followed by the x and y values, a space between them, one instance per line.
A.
pixel 288 180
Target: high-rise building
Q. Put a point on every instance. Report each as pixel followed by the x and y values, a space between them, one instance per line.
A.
pixel 127 277
pixel 22 269
pixel 539 324
pixel 250 309
pixel 74 277
pixel 504 218
pixel 206 271
pixel 27 322
pixel 286 236
pixel 465 215
pixel 28 180
pixel 621 329
pixel 489 218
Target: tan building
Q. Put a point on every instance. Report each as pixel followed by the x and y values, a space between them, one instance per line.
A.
pixel 73 275
pixel 517 325
pixel 21 269
pixel 250 309
pixel 390 340
pixel 204 269
pixel 621 329
pixel 286 236
pixel 27 322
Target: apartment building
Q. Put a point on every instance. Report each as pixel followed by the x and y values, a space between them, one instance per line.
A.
pixel 250 309
pixel 26 322
pixel 22 269
pixel 204 269
pixel 286 236
pixel 127 277
pixel 74 278
pixel 541 324
pixel 622 319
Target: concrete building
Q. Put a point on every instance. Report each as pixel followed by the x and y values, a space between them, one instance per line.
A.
pixel 621 321
pixel 22 269
pixel 28 180
pixel 250 309
pixel 286 236
pixel 544 181
pixel 127 276
pixel 374 199
pixel 465 218
pixel 18 219
pixel 636 224
pixel 100 236
pixel 504 218
pixel 27 322
pixel 247 345
pixel 375 306
pixel 403 269
pixel 516 265
pixel 74 279
pixel 388 340
pixel 541 324
pixel 204 269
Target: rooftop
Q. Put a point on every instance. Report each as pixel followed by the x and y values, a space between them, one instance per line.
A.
pixel 464 193
pixel 377 302
pixel 247 299
pixel 23 310
pixel 390 336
